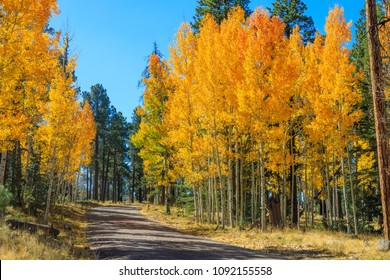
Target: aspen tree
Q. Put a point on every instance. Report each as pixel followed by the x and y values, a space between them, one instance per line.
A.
pixel 152 137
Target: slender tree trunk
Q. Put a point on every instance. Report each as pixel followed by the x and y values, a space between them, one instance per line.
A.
pixel 114 181
pixel 96 175
pixel 28 159
pixel 355 222
pixel 337 198
pixel 17 174
pixel 51 183
pixel 312 202
pixel 167 190
pixel 263 196
pixel 120 187
pixel 237 169
pixel 3 163
pixel 242 193
pixel 132 184
pixel 294 187
pixel 379 112
pixel 200 203
pixel 328 196
pixel 306 195
pixel 90 183
pixel 345 196
pixel 87 182
pixel 253 197
pixel 209 200
pixel 216 201
pixel 230 185
pixel 195 204
pixel 105 169
pixel 283 200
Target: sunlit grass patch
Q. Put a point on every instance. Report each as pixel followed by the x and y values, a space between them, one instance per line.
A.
pixel 293 243
pixel 71 243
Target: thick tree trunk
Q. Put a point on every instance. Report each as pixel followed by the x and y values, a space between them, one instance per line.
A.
pixel 379 113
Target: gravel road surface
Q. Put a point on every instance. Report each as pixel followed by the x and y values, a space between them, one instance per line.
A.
pixel 122 233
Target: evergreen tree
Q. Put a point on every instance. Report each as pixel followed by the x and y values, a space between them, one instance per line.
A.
pixel 119 133
pixel 137 173
pixel 292 12
pixel 100 104
pixel 219 9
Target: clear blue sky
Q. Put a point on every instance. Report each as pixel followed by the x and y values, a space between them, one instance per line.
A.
pixel 113 37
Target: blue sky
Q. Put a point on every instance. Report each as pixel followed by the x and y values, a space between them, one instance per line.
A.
pixel 114 37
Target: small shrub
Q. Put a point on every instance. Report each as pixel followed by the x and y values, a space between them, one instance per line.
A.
pixel 5 199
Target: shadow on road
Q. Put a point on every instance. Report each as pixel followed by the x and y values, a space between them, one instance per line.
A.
pixel 121 232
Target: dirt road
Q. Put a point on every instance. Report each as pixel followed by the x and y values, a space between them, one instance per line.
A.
pixel 123 233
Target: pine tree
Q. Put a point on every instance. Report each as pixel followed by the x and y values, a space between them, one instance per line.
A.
pixel 152 137
pixel 100 104
pixel 219 9
pixel 292 12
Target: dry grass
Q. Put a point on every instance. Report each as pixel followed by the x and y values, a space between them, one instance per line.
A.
pixel 294 244
pixel 70 244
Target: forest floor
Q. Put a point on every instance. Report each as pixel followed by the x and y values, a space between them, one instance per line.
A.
pixel 71 243
pixel 139 231
pixel 290 243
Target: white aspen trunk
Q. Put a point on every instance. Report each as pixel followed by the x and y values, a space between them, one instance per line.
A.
pixel 284 199
pixel 262 189
pixel 51 183
pixel 312 203
pixel 355 222
pixel 345 195
pixel 306 195
pixel 195 204
pixel 334 190
pixel 216 201
pixel 230 186
pixel 237 184
pixel 328 197
pixel 242 204
pixel 253 194
pixel 209 202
